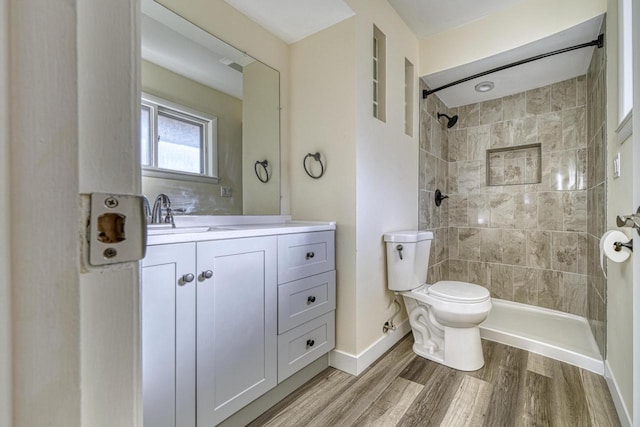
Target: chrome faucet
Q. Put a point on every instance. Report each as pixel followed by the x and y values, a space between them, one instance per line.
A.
pixel 162 202
pixel 147 209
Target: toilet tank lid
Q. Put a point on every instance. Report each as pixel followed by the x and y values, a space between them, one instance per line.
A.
pixel 408 236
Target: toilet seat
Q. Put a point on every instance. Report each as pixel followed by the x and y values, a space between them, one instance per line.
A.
pixel 460 292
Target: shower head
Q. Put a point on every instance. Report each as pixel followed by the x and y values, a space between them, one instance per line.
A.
pixel 451 120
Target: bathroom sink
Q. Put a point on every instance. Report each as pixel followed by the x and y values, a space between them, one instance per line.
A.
pixel 157 229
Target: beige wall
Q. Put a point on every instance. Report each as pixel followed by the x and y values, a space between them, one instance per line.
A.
pixel 196 197
pixel 226 23
pixel 386 163
pixel 323 119
pixel 260 139
pixel 522 23
pixel 370 185
pixel 619 201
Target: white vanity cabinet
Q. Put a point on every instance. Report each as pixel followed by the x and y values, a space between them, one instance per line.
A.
pixel 306 299
pixel 168 300
pixel 224 320
pixel 236 325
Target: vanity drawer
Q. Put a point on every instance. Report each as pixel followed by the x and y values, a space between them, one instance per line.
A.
pixel 305 299
pixel 305 254
pixel 304 344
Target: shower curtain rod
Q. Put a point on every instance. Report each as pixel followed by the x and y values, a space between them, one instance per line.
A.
pixel 599 42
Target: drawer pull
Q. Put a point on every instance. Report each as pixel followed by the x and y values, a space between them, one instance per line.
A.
pixel 208 274
pixel 309 255
pixel 311 299
pixel 187 278
pixel 310 343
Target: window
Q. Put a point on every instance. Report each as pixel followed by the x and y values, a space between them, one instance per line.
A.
pixel 625 60
pixel 379 74
pixel 177 142
pixel 408 97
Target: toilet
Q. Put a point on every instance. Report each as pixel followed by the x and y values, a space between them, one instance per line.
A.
pixel 444 316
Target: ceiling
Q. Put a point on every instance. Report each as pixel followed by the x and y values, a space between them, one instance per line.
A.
pixel 524 77
pixel 174 43
pixel 427 17
pixel 293 20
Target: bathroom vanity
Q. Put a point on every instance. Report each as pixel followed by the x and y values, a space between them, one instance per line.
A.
pixel 229 310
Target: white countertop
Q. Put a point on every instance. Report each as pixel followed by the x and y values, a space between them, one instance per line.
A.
pixel 194 228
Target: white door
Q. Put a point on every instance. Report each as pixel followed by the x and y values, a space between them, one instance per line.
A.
pixel 636 202
pixel 236 325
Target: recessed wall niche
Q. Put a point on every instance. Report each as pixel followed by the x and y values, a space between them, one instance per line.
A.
pixel 514 165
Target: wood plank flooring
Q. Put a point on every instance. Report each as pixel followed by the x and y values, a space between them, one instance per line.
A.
pixel 514 388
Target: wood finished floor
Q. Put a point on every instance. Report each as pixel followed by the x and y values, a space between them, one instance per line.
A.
pixel 514 388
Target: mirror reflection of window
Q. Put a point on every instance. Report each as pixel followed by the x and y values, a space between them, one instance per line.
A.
pixel 176 139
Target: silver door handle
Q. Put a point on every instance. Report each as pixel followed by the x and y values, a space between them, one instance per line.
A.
pixel 632 220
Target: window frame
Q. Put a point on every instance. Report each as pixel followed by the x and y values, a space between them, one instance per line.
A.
pixel 209 150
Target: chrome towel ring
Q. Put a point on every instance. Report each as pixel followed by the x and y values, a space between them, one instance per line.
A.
pixel 315 157
pixel 264 165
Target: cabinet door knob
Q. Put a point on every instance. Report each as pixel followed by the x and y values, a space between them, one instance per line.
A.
pixel 208 274
pixel 309 255
pixel 311 299
pixel 310 343
pixel 188 278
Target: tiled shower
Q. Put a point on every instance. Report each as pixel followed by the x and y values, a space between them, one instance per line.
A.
pixel 525 175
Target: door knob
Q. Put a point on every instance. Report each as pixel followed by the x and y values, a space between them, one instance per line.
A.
pixel 208 274
pixel 186 278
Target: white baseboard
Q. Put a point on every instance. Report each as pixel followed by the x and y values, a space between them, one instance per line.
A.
pixel 356 364
pixel 621 408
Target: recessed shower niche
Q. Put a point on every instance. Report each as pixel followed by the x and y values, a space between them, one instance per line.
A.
pixel 514 165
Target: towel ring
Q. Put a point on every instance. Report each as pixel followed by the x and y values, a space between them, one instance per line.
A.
pixel 264 165
pixel 315 157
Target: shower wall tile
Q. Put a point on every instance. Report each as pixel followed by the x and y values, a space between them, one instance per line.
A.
pixel 525 208
pixel 469 176
pixel 478 142
pixel 563 95
pixel 502 210
pixel 479 274
pixel 538 101
pixel 550 289
pixel 524 131
pixel 574 298
pixel 581 169
pixel 469 115
pixel 454 252
pixel 514 106
pixel 425 132
pixel 458 210
pixel 500 135
pixel 469 243
pixel 574 129
pixel 550 131
pixel 565 252
pixel 491 111
pixel 457 145
pixel 575 210
pixel 501 279
pixel 581 90
pixel 490 245
pixel 458 270
pixel 539 249
pixel 550 211
pixel 525 285
pixel 479 210
pixel 452 178
pixel 514 247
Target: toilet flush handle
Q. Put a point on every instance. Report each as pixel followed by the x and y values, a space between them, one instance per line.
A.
pixel 399 249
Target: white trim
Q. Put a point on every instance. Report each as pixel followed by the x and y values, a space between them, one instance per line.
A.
pixel 623 412
pixel 356 364
pixel 625 130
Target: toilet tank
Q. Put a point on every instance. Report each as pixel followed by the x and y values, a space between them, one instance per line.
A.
pixel 407 259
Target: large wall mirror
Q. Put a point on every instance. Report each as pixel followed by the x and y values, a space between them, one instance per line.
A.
pixel 210 117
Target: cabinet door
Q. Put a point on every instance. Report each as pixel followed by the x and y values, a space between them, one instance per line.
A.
pixel 168 336
pixel 236 325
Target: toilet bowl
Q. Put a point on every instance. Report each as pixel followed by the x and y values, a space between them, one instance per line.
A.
pixel 445 316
